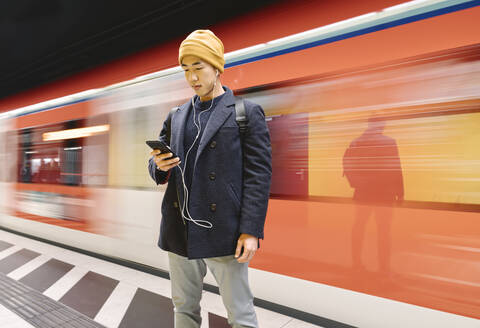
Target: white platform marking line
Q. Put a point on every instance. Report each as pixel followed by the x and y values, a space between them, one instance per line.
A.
pixel 64 284
pixel 9 251
pixel 22 241
pixel 28 267
pixel 115 307
pixel 213 303
pixel 205 321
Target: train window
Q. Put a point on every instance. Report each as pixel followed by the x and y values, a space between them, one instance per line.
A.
pixel 55 161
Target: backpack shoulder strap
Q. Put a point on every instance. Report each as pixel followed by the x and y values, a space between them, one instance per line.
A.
pixel 169 123
pixel 241 116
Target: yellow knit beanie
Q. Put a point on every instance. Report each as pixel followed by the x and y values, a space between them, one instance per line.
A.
pixel 205 45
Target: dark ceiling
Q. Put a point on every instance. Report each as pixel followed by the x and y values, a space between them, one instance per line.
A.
pixel 44 40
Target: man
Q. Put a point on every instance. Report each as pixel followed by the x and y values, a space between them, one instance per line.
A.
pixel 214 208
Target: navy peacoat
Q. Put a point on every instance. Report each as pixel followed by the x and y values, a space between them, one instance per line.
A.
pixel 230 185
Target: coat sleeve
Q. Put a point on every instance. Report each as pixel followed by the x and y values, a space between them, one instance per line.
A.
pixel 257 172
pixel 160 177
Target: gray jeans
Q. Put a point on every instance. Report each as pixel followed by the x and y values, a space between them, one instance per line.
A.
pixel 232 278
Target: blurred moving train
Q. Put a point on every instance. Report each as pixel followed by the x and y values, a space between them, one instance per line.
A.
pixel 374 216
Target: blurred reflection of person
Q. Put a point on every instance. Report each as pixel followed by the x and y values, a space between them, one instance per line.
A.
pixel 43 171
pixel 55 173
pixel 372 167
pixel 26 172
pixel 228 182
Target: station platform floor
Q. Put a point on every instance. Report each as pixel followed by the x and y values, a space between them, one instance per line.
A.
pixel 42 285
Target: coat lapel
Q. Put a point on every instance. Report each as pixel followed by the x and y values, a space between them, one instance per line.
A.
pixel 176 143
pixel 178 129
pixel 220 114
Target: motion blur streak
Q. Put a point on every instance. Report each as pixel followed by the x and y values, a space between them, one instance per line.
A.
pixel 75 133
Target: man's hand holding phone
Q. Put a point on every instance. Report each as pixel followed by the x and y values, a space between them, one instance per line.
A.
pixel 162 155
pixel 164 162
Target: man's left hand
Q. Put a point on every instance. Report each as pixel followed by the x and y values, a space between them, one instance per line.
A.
pixel 249 244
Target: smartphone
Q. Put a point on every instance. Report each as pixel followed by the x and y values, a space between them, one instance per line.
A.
pixel 163 147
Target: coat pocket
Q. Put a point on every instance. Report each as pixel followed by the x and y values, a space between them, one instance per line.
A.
pixel 233 195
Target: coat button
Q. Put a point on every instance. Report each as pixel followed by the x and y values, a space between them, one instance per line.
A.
pixel 175 204
pixel 213 207
pixel 213 144
pixel 212 176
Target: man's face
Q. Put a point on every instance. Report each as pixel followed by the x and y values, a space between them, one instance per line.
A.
pixel 199 74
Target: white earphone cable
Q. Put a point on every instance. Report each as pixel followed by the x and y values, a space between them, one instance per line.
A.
pixel 184 207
